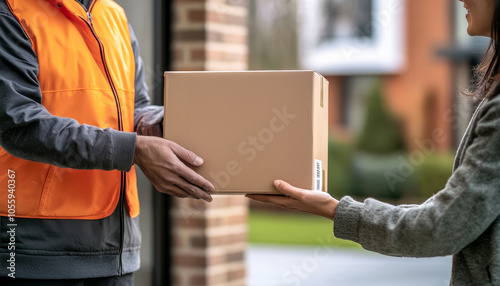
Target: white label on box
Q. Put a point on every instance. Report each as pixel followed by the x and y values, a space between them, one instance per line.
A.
pixel 319 174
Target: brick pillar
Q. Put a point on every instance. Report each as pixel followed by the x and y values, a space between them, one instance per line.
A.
pixel 210 238
pixel 210 35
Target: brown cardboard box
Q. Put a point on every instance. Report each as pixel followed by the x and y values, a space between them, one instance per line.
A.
pixel 251 127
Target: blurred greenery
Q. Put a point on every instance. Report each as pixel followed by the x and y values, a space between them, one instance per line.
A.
pixel 377 164
pixel 339 168
pixel 378 151
pixel 376 175
pixel 292 229
pixel 345 177
pixel 433 173
pixel 380 133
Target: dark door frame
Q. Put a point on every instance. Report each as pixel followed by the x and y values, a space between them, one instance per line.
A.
pixel 162 222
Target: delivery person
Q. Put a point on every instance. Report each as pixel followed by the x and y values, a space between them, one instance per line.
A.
pixel 463 219
pixel 72 96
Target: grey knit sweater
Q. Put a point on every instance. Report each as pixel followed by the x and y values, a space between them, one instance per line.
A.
pixel 460 220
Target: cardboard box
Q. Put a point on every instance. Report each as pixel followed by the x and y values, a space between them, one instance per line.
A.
pixel 251 127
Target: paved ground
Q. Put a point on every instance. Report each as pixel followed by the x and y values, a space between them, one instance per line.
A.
pixel 321 266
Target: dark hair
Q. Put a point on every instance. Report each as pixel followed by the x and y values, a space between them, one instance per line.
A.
pixel 486 74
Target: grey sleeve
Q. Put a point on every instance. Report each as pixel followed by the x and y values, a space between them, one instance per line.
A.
pixel 146 117
pixel 29 131
pixel 443 225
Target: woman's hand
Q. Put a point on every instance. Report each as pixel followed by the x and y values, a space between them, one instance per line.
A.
pixel 165 164
pixel 314 202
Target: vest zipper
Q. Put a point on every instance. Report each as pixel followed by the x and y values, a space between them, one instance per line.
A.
pixel 123 175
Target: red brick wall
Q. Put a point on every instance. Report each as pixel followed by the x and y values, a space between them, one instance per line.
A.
pixel 210 35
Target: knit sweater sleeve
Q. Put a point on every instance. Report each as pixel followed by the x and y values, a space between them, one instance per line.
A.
pixel 450 220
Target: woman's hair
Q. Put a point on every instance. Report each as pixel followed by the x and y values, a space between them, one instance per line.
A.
pixel 486 74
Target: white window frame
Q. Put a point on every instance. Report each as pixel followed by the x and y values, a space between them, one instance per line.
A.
pixel 384 53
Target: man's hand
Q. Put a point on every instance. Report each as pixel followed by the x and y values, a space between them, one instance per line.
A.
pixel 314 202
pixel 164 163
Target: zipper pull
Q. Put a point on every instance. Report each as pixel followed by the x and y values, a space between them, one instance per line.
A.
pixel 89 17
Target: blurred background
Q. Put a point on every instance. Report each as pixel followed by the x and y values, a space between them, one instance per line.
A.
pixel 396 70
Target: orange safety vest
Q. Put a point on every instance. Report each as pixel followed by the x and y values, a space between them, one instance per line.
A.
pixel 86 72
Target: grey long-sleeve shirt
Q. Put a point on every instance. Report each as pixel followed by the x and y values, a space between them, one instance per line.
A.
pixel 461 220
pixel 24 122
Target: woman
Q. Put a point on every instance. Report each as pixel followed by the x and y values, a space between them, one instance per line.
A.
pixel 463 219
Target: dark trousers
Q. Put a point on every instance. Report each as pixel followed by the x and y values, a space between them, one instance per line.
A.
pixel 125 280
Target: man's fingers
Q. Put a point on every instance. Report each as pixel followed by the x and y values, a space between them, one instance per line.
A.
pixel 194 191
pixel 194 178
pixel 187 156
pixel 173 191
pixel 165 164
pixel 187 173
pixel 184 190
